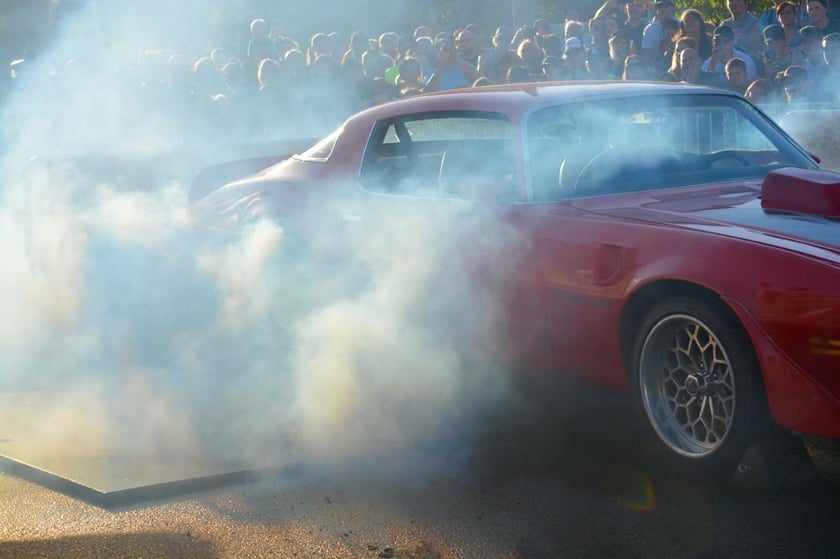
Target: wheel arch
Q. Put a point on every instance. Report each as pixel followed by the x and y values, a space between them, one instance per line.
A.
pixel 650 294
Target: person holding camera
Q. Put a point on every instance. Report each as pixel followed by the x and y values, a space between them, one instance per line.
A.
pixel 777 54
pixel 723 48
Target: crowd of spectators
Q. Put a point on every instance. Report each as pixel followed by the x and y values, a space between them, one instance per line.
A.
pixel 789 53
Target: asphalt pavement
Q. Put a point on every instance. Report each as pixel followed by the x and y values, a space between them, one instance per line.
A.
pixel 558 477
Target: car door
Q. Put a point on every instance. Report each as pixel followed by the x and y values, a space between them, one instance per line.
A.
pixel 467 165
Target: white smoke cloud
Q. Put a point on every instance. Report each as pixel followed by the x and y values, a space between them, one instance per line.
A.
pixel 149 337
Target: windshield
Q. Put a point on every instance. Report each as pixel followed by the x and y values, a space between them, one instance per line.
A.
pixel 625 145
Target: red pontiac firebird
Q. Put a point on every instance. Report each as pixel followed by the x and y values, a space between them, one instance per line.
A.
pixel 696 245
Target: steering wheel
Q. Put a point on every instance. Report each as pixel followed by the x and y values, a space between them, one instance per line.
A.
pixel 724 159
pixel 584 182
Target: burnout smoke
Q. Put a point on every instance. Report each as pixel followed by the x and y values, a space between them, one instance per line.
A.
pixel 154 340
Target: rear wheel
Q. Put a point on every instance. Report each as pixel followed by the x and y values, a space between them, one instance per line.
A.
pixel 698 384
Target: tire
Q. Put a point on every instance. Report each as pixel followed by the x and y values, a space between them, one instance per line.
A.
pixel 698 385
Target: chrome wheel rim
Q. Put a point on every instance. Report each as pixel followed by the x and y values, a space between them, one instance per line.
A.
pixel 687 386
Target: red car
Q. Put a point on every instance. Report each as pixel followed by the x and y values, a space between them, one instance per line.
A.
pixel 679 243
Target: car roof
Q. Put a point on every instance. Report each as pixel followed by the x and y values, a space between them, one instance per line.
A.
pixel 517 98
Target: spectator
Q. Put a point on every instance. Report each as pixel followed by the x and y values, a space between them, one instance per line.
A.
pixel 424 51
pixel 818 17
pixel 452 72
pixel 552 45
pixel 651 44
pixel 827 84
pixel 478 34
pixel 521 34
pixel 422 31
pixel 770 15
pixel 269 76
pixel 531 55
pixel 573 28
pixel 693 25
pixel 359 41
pixel 319 45
pixel 541 28
pixel 634 24
pixel 736 75
pixel 777 55
pixel 260 46
pixel 283 45
pixel 759 92
pixel 381 91
pixel 694 73
pixel 294 63
pixel 221 57
pixel 611 8
pixel 723 49
pixel 745 28
pixel 675 72
pixel 374 64
pixel 389 45
pixel 620 48
pixel 497 72
pixel 597 65
pixel 786 13
pixel 410 78
pixel 554 69
pixel 796 84
pixel 519 74
pixel 574 59
pixel 469 49
pixel 811 48
pixel 634 68
pixel 207 79
pixel 599 39
pixel 337 46
pixel 489 61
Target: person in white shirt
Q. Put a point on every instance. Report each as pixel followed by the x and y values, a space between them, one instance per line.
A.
pixel 723 49
pixel 653 34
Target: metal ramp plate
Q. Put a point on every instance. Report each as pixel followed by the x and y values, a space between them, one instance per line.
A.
pixel 55 450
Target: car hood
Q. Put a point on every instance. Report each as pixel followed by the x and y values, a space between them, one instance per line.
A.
pixel 732 210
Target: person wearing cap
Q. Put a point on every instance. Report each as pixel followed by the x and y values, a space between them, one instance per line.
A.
pixel 777 53
pixel 818 17
pixel 723 48
pixel 574 58
pixel 653 34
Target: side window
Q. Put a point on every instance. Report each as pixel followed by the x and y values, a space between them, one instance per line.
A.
pixel 441 154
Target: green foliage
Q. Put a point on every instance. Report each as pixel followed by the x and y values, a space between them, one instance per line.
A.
pixel 715 11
